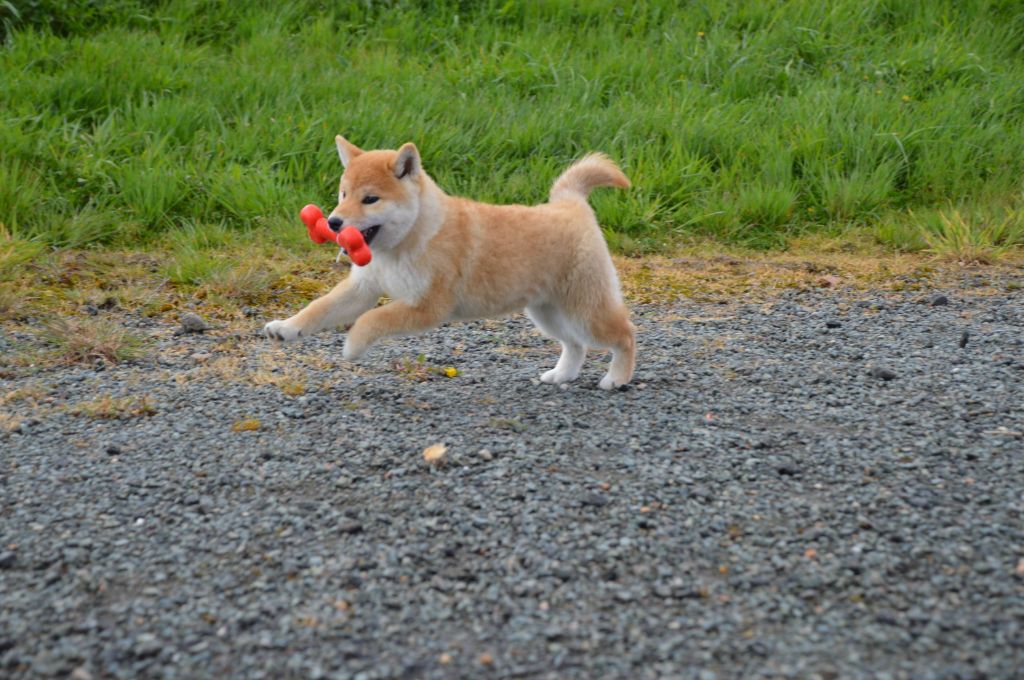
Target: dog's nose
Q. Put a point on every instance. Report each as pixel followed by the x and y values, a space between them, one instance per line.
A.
pixel 335 223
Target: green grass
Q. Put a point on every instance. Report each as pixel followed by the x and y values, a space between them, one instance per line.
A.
pixel 87 341
pixel 128 121
pixel 981 237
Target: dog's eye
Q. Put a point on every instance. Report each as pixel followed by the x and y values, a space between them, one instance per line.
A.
pixel 367 200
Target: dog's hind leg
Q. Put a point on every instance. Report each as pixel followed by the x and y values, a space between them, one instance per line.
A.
pixel 613 330
pixel 556 325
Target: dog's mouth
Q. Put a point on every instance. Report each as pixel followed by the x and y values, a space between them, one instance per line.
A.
pixel 369 233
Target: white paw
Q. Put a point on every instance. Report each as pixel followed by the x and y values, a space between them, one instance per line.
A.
pixel 557 377
pixel 352 351
pixel 282 331
pixel 608 382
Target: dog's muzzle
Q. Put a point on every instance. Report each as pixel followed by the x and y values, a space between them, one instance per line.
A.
pixel 336 223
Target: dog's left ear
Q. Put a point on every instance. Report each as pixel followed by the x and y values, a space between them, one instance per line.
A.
pixel 407 163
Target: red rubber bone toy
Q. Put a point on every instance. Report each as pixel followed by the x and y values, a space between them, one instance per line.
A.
pixel 349 238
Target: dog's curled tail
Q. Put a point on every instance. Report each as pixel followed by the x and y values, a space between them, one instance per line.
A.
pixel 593 170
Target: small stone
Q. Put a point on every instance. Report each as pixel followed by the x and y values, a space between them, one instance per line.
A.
pixel 434 454
pixel 486 659
pixel 80 673
pixel 200 357
pixel 193 323
pixel 788 470
pixel 6 559
pixel 485 454
pixel 146 645
pixel 964 337
pixel 832 323
pixel 938 300
pixel 594 500
pixel 829 281
pixel 553 633
pixel 882 373
pixel 351 527
pixel 113 450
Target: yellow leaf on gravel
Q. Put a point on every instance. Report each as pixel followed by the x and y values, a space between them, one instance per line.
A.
pixel 434 454
pixel 247 425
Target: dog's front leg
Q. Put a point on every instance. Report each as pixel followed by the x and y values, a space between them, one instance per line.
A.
pixel 394 318
pixel 342 305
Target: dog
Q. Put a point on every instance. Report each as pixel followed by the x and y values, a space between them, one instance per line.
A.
pixel 441 258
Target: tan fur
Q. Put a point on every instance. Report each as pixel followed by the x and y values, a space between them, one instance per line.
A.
pixel 441 258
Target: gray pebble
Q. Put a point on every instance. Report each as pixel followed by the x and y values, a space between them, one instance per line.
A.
pixel 594 499
pixel 193 323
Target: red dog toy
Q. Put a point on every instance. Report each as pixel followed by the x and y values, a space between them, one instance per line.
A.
pixel 349 238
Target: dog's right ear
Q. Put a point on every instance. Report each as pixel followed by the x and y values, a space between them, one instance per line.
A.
pixel 346 150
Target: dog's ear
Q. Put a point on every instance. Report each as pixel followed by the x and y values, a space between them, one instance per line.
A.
pixel 407 163
pixel 346 150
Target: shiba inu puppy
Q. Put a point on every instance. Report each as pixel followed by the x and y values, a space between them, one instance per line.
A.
pixel 442 258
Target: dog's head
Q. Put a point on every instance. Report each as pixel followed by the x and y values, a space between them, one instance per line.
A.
pixel 379 193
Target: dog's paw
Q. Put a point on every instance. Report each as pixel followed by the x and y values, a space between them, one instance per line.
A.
pixel 282 331
pixel 610 383
pixel 557 377
pixel 352 350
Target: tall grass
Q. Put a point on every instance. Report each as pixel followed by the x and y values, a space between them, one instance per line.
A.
pixel 749 122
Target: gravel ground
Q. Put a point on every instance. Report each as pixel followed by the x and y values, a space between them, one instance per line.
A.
pixel 824 484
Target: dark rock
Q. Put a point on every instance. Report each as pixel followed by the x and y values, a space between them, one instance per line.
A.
pixel 594 500
pixel 787 470
pixel 883 373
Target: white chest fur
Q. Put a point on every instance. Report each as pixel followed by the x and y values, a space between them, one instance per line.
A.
pixel 398 277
